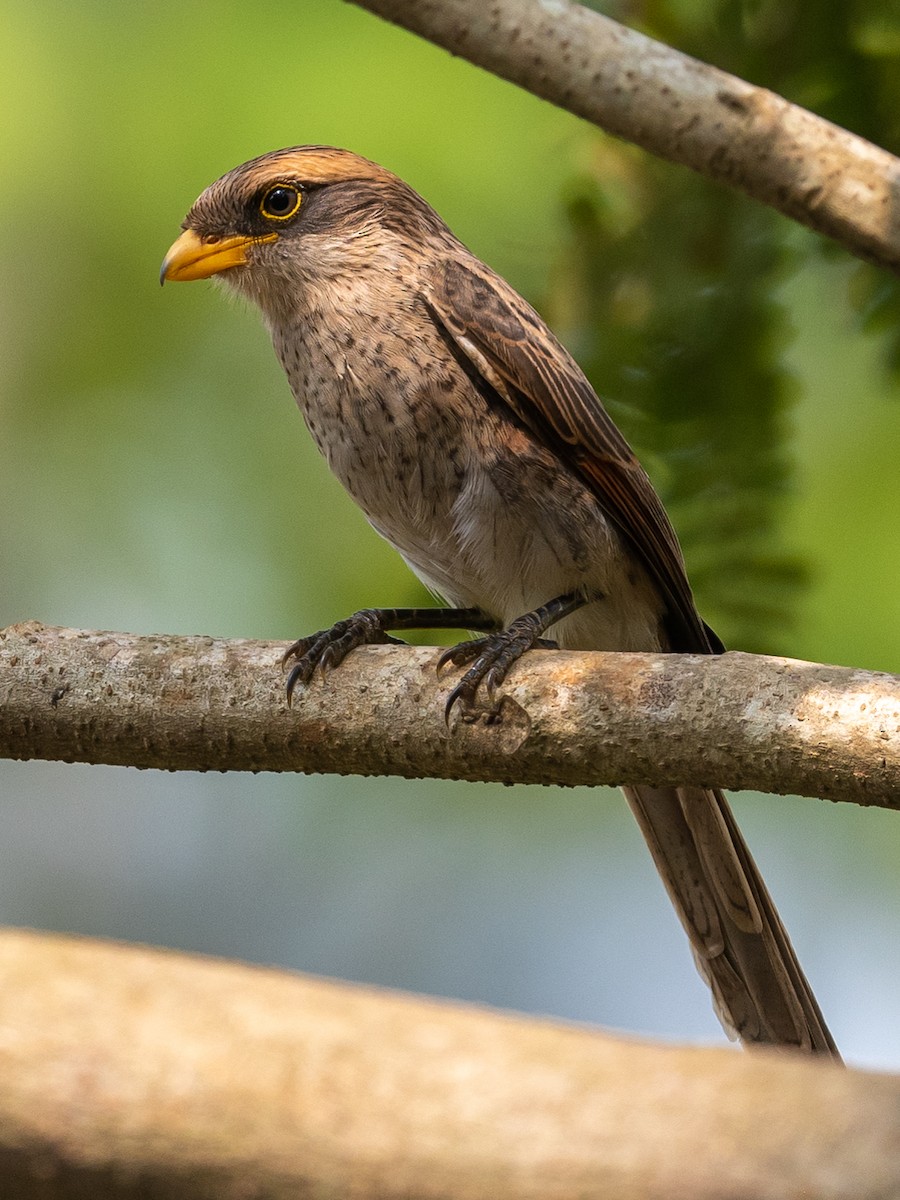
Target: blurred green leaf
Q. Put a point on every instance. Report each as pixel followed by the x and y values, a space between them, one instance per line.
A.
pixel 666 290
pixel 668 300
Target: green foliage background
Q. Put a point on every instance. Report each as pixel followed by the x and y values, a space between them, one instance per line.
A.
pixel 155 476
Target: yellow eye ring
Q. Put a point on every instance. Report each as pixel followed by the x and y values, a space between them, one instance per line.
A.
pixel 281 202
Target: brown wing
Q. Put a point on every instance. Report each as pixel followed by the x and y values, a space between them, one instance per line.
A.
pixel 507 349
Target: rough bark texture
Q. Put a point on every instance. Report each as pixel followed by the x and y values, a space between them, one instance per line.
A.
pixel 197 703
pixel 130 1073
pixel 678 108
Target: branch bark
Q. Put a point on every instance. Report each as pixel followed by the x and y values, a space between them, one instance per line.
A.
pixel 129 1072
pixel 678 108
pixel 739 721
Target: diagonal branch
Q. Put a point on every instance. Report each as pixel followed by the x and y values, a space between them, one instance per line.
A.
pixel 127 1072
pixel 196 703
pixel 678 108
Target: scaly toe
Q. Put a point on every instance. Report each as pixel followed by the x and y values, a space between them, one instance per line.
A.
pixel 296 651
pixel 462 653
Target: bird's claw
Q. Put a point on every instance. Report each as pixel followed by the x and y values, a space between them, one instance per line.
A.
pixel 328 648
pixel 463 652
pixel 492 656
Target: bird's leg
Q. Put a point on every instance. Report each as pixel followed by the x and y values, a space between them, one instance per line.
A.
pixel 329 647
pixel 492 656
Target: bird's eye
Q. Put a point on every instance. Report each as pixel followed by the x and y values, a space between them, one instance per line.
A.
pixel 280 202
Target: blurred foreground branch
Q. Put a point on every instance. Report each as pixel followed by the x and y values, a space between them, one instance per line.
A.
pixel 197 703
pixel 678 108
pixel 129 1072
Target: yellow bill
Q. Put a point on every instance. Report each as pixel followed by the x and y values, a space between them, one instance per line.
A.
pixel 195 257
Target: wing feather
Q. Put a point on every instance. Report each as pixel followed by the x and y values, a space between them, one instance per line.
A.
pixel 511 352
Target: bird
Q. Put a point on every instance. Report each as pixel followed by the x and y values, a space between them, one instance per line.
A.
pixel 475 445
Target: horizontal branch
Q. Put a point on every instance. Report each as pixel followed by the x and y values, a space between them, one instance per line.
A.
pixel 129 1072
pixel 678 108
pixel 739 721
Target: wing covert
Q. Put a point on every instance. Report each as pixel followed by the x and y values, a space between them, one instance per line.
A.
pixel 510 351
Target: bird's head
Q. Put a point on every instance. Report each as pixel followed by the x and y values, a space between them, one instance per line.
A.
pixel 296 215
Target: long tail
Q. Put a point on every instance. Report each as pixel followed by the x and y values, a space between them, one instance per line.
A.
pixel 741 947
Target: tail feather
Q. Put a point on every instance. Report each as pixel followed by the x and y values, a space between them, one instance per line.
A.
pixel 740 945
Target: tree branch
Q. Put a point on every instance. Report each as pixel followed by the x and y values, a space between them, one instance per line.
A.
pixel 129 1072
pixel 195 703
pixel 678 108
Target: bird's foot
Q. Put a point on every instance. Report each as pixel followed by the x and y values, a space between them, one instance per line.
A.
pixel 491 658
pixel 493 655
pixel 329 647
pixel 369 627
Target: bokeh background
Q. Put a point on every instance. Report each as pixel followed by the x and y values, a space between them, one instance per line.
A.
pixel 155 476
